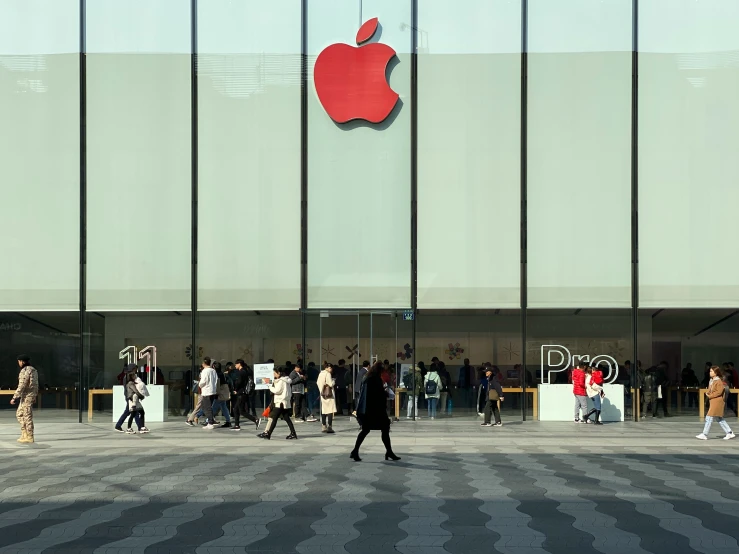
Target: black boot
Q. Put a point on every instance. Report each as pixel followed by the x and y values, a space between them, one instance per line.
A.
pixel 586 419
pixel 355 456
pixel 597 417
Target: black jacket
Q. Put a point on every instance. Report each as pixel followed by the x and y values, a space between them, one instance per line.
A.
pixel 372 408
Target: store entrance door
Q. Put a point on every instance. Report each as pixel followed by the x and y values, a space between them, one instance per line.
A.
pixel 352 337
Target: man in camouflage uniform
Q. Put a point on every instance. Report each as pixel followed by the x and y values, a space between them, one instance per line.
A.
pixel 25 396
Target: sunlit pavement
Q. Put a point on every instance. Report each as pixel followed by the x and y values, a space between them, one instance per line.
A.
pixel 523 487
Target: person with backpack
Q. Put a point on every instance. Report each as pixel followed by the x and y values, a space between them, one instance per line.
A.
pixel 432 388
pixel 495 394
pixel 243 386
pixel 413 381
pixel 223 395
pixel 281 408
pixel 717 397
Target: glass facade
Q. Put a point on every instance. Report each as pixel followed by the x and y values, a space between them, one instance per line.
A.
pixel 553 172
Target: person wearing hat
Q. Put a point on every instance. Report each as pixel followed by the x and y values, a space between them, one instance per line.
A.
pixel 495 393
pixel 130 368
pixel 25 395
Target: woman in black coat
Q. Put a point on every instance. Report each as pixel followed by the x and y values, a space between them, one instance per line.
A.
pixel 372 412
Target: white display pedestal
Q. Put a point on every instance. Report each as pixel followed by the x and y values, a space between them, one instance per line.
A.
pixel 557 403
pixel 156 405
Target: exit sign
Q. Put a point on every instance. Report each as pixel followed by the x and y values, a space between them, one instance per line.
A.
pixel 408 315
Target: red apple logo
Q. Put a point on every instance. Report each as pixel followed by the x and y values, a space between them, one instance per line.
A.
pixel 350 81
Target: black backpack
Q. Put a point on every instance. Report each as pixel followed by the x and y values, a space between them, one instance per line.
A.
pixel 430 387
pixel 408 380
pixel 249 387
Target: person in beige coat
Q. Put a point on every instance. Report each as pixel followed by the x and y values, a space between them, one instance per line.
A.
pixel 327 389
pixel 715 395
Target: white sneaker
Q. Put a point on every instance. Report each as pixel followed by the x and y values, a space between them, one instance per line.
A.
pixel 433 418
pixel 701 437
pixel 498 425
pixel 130 431
pixel 311 419
pixel 209 426
pixel 486 425
pixel 480 414
pixel 729 436
pixel 144 430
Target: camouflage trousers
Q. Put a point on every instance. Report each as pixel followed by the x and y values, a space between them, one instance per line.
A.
pixel 24 414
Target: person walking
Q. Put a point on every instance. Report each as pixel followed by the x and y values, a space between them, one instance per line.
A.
pixel 495 394
pixel 717 397
pixel 208 391
pixel 371 412
pixel 25 395
pixel 595 392
pixel 298 381
pixel 281 391
pixel 223 396
pixel 326 387
pixel 130 368
pixel 578 389
pixel 432 388
pixel 243 385
pixel 135 393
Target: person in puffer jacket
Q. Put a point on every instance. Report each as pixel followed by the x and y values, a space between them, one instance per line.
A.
pixel 281 392
pixel 578 388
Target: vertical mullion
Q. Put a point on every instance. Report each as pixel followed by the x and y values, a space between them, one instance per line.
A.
pixel 194 179
pixel 414 173
pixel 83 204
pixel 304 171
pixel 524 196
pixel 634 196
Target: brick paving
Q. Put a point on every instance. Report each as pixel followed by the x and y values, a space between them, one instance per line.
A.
pixel 524 488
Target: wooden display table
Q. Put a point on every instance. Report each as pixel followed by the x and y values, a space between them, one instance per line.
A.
pixel 90 395
pixel 12 393
pixel 702 401
pixel 506 390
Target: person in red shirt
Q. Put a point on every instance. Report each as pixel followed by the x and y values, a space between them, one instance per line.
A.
pixel 578 388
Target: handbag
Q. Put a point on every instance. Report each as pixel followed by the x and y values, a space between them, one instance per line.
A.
pixel 267 411
pixel 493 395
pixel 327 393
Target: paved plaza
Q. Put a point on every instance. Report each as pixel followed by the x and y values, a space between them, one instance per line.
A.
pixel 459 488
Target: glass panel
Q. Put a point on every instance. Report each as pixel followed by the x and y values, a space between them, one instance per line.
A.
pixel 115 339
pixel 138 152
pixel 249 154
pixel 688 136
pixel 579 170
pixel 358 172
pixel 52 340
pixel 469 104
pixel 464 341
pixel 558 339
pixel 39 154
pixel 228 336
pixel 334 337
pixel 679 346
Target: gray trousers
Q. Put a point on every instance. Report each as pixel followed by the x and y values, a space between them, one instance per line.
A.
pixel 581 403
